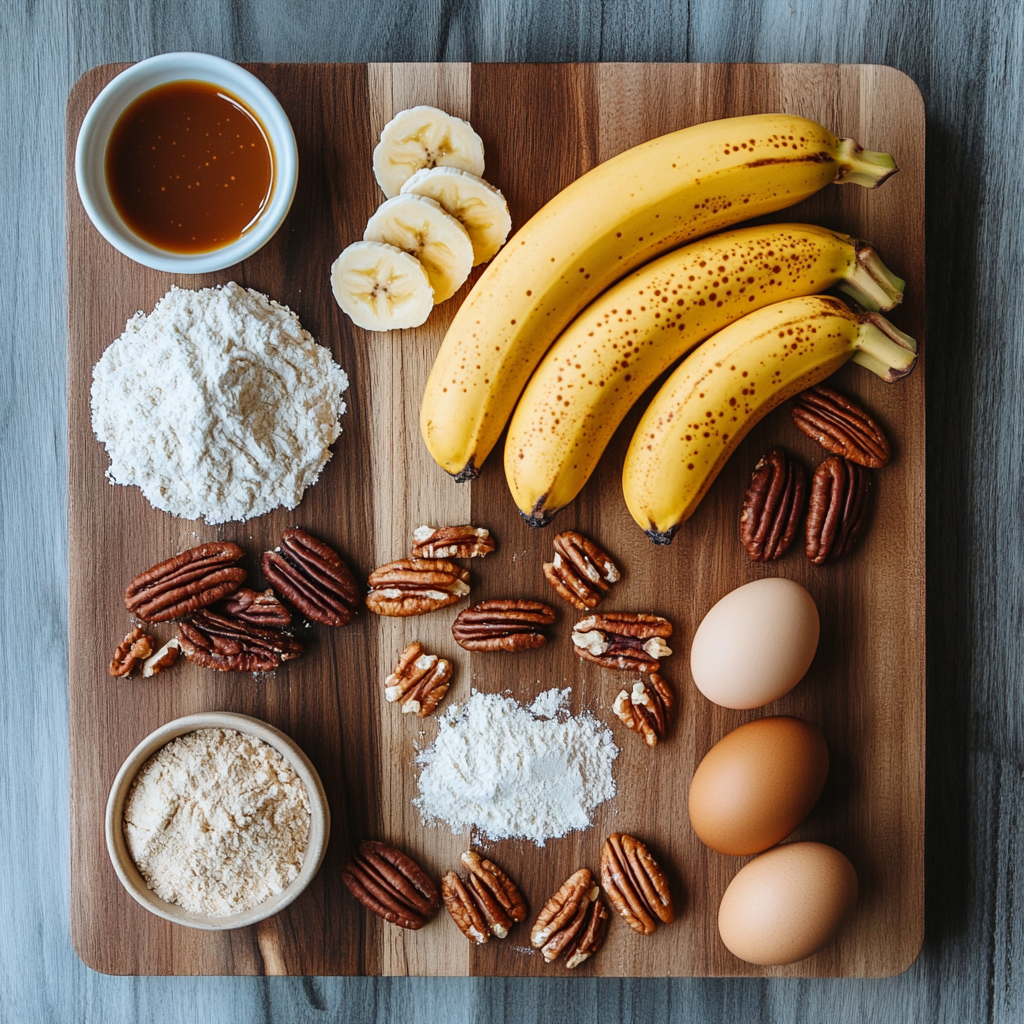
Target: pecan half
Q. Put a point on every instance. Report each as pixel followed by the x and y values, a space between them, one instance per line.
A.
pixel 773 506
pixel 645 709
pixel 162 659
pixel 451 542
pixel 841 426
pixel 261 609
pixel 227 644
pixel 502 625
pixel 419 681
pixel 838 510
pixel 414 586
pixel 630 641
pixel 312 576
pixel 186 582
pixel 391 884
pixel 487 903
pixel 574 921
pixel 580 572
pixel 135 647
pixel 635 884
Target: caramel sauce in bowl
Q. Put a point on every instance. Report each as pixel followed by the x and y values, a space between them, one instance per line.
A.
pixel 186 163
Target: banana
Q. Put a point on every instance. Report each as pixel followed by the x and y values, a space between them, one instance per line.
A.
pixel 624 340
pixel 719 392
pixel 380 287
pixel 479 207
pixel 615 217
pixel 419 226
pixel 424 137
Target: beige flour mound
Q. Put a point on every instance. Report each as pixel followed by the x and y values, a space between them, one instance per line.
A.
pixel 217 405
pixel 217 822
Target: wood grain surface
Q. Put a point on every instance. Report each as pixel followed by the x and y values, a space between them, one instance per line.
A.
pixel 967 58
pixel 543 126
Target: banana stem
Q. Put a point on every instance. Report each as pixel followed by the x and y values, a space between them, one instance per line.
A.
pixel 871 283
pixel 883 348
pixel 863 166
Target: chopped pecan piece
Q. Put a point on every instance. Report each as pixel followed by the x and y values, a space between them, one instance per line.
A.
pixel 227 644
pixel 312 576
pixel 580 572
pixel 135 647
pixel 163 659
pixel 502 625
pixel 645 709
pixel 838 510
pixel 487 903
pixel 841 426
pixel 574 921
pixel 186 582
pixel 391 884
pixel 414 586
pixel 451 542
pixel 261 609
pixel 419 681
pixel 630 641
pixel 773 506
pixel 635 883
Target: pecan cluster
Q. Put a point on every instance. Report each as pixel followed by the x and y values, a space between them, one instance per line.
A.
pixel 839 507
pixel 635 883
pixel 841 426
pixel 486 903
pixel 573 922
pixel 631 641
pixel 645 708
pixel 451 542
pixel 230 644
pixel 502 625
pixel 391 884
pixel 185 583
pixel 773 506
pixel 419 682
pixel 415 586
pixel 312 576
pixel 580 571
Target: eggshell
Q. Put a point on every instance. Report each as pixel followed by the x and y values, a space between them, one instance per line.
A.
pixel 787 904
pixel 756 644
pixel 757 783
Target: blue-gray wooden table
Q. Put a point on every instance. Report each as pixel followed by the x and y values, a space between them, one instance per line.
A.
pixel 967 59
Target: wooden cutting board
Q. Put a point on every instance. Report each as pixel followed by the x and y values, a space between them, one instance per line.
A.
pixel 543 125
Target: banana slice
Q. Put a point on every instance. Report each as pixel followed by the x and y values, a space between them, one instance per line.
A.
pixel 419 226
pixel 424 137
pixel 480 208
pixel 380 287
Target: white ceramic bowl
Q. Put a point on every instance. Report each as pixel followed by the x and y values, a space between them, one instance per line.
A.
pixel 90 154
pixel 117 848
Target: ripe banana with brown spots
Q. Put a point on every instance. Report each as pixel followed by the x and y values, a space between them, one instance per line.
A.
pixel 623 213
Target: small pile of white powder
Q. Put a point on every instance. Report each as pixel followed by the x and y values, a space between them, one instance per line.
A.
pixel 217 405
pixel 217 822
pixel 511 771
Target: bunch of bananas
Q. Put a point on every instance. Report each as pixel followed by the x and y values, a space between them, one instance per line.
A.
pixel 548 316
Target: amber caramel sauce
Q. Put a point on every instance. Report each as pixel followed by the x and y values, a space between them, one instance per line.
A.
pixel 189 167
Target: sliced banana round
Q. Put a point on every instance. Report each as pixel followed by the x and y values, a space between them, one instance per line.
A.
pixel 420 227
pixel 479 207
pixel 381 287
pixel 424 137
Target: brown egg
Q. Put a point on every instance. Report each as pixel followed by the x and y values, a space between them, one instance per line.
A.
pixel 787 904
pixel 757 783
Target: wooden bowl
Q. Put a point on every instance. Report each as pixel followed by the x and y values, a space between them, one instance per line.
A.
pixel 117 848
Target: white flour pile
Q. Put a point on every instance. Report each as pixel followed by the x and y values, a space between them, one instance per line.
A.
pixel 217 405
pixel 217 822
pixel 511 771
